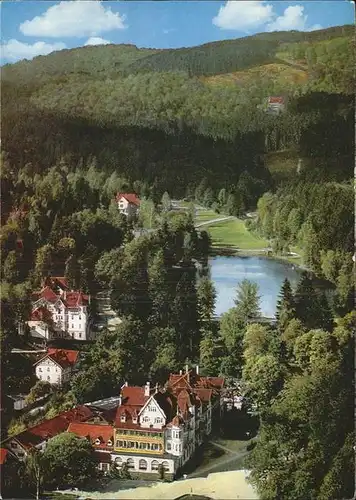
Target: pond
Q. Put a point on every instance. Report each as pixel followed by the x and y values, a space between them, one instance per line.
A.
pixel 269 274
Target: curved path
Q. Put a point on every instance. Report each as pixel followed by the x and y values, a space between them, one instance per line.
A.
pixel 220 219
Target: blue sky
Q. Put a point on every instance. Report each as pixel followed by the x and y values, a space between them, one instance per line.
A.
pixel 32 28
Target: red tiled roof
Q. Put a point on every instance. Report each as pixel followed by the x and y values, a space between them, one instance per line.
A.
pixel 49 428
pixel 40 314
pixel 133 396
pixel 75 299
pixel 3 455
pixel 276 100
pixel 63 357
pixel 59 281
pixel 104 432
pixel 48 294
pixel 130 197
pixel 203 394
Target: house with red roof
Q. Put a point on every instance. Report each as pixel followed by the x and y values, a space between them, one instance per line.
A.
pixel 162 427
pixel 59 312
pixel 128 203
pixel 37 436
pixel 56 366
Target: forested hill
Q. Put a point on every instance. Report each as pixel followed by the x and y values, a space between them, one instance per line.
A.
pixel 174 117
pixel 208 59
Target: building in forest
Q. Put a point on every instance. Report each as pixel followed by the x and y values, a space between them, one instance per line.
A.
pixel 59 312
pixel 56 366
pixel 128 203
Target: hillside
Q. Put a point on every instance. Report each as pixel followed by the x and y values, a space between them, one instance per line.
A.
pixel 180 115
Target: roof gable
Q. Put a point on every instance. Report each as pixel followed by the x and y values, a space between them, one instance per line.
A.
pixel 152 401
pixel 129 197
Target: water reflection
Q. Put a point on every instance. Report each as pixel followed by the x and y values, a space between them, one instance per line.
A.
pixel 228 272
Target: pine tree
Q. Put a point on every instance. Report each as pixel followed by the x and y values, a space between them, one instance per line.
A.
pixel 307 302
pixel 211 352
pixel 325 313
pixel 285 309
pixel 72 272
pixel 247 300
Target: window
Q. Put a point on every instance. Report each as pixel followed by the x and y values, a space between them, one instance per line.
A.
pixel 118 461
pixel 48 369
pixel 48 378
pixel 72 317
pixel 154 465
pixel 169 446
pixel 80 335
pixel 142 465
pixel 39 369
pixel 14 445
pixel 72 325
pixel 122 418
pixel 158 420
pixel 97 441
pixel 165 465
pixel 130 463
pixel 80 317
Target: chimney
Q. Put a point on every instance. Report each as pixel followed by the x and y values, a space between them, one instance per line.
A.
pixel 126 384
pixel 197 369
pixel 180 372
pixel 147 389
pixel 156 388
pixel 186 368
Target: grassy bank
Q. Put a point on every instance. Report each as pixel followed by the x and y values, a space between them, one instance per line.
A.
pixel 234 234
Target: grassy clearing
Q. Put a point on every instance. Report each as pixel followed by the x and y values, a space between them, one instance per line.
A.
pixel 205 215
pixel 233 233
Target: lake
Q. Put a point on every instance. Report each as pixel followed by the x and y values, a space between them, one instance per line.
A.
pixel 269 274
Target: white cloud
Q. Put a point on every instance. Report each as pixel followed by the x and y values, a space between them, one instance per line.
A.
pixel 74 19
pixel 13 50
pixel 315 27
pixel 243 16
pixel 293 18
pixel 96 40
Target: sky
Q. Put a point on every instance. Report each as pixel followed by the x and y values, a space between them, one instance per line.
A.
pixel 31 28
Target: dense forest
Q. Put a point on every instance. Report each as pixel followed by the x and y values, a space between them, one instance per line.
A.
pixel 80 125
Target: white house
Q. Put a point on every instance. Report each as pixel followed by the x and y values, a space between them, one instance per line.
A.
pixel 56 366
pixel 58 312
pixel 128 203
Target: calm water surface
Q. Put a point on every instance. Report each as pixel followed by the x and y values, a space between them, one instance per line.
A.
pixel 228 272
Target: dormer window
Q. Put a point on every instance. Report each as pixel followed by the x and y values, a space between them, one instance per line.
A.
pixel 97 441
pixel 134 420
pixel 109 443
pixel 123 418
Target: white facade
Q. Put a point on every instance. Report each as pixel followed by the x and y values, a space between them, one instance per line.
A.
pixel 126 208
pixel 139 463
pixel 73 322
pixel 48 370
pixel 152 415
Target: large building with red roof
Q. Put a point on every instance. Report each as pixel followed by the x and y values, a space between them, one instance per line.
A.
pixel 128 203
pixel 157 428
pixel 37 436
pixel 150 431
pixel 56 366
pixel 59 312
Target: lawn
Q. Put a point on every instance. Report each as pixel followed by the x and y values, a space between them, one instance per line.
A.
pixel 205 215
pixel 233 233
